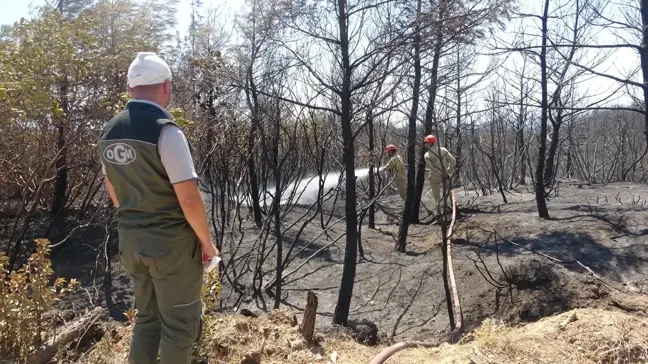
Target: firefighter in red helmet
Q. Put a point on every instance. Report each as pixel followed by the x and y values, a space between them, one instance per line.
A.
pixel 440 164
pixel 396 168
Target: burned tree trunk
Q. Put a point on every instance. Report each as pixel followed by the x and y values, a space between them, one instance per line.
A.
pixel 253 104
pixel 410 198
pixel 372 180
pixel 643 54
pixel 550 168
pixel 276 208
pixel 521 150
pixel 429 112
pixel 61 184
pixel 520 145
pixel 541 201
pixel 343 306
pixel 459 142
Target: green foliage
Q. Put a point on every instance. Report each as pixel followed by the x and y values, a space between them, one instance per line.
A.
pixel 68 72
pixel 211 290
pixel 25 295
pixel 179 116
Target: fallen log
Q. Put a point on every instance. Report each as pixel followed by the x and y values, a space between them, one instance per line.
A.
pixel 46 352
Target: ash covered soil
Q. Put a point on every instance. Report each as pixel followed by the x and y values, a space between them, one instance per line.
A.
pixel 596 244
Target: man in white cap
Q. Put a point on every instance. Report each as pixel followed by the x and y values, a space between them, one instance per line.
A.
pixel 163 233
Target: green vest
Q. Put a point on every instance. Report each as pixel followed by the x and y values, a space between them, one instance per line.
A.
pixel 151 220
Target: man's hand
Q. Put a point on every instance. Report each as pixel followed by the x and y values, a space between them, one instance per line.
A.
pixel 209 251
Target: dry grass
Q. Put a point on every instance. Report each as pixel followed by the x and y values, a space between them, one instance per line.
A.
pixel 592 336
pixel 275 338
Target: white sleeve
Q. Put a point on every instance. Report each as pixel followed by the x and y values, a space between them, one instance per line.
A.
pixel 103 169
pixel 175 154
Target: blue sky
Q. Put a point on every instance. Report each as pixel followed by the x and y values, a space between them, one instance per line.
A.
pixel 13 10
pixel 621 62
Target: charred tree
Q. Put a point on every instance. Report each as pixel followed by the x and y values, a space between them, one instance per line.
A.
pixel 410 198
pixel 372 179
pixel 61 183
pixel 540 193
pixel 551 167
pixel 276 208
pixel 343 306
pixel 253 103
pixel 429 112
pixel 643 54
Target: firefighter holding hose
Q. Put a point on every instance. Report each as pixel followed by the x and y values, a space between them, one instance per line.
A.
pixel 440 165
pixel 396 168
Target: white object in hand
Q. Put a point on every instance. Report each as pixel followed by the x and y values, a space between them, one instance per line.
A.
pixel 211 264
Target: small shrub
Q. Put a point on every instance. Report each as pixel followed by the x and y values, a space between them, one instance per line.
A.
pixel 530 276
pixel 25 295
pixel 211 290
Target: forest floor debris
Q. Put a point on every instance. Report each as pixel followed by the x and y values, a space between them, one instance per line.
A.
pixel 604 227
pixel 584 336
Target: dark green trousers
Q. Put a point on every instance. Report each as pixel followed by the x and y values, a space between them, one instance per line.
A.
pixel 167 299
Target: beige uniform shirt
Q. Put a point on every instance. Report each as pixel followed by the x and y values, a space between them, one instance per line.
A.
pixel 439 162
pixel 396 167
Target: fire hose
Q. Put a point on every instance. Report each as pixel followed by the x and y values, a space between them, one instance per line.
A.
pixel 386 353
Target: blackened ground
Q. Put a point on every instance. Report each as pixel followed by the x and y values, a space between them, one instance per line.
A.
pixel 603 227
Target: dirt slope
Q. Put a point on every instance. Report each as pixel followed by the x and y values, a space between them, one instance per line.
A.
pixel 579 336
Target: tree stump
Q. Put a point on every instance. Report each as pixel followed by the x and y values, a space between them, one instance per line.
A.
pixel 310 313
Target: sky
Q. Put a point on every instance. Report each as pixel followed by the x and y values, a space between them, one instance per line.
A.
pixel 12 10
pixel 620 63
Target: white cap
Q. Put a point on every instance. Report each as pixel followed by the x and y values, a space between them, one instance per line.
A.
pixel 148 69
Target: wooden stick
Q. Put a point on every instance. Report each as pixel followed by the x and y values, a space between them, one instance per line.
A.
pixel 310 314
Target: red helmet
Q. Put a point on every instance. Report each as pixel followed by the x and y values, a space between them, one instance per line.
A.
pixel 430 139
pixel 390 148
